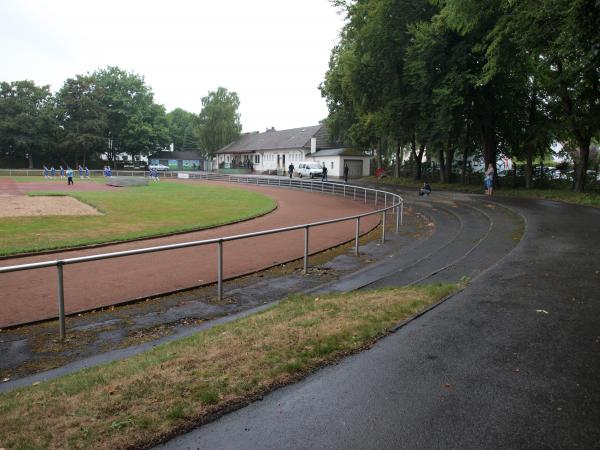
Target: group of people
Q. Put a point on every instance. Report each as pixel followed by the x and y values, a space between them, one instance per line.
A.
pixel 107 172
pixel 65 173
pixel 323 173
pixel 488 183
pixel 153 174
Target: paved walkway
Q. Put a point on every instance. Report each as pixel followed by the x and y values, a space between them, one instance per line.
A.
pixel 513 361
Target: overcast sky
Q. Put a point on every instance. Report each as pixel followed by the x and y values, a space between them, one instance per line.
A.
pixel 273 53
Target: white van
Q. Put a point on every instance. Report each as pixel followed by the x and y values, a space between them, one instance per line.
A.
pixel 310 169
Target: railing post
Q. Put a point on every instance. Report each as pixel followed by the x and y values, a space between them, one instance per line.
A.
pixel 397 219
pixel 61 299
pixel 383 227
pixel 401 212
pixel 365 195
pixel 220 270
pixel 305 250
pixel 376 192
pixel 344 191
pixel 354 194
pixel 357 236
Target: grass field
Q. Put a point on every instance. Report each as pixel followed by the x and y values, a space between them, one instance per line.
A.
pixel 128 213
pixel 134 402
pixel 559 194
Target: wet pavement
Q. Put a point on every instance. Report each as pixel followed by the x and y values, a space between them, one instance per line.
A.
pixel 512 361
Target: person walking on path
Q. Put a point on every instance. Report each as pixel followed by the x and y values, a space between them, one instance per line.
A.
pixel 488 181
pixel 69 176
pixel 291 169
pixel 324 173
pixel 346 171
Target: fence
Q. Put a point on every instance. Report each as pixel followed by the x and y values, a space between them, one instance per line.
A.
pixel 391 203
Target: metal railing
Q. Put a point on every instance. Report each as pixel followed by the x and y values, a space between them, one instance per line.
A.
pixel 391 202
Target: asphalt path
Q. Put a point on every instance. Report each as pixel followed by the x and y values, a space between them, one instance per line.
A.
pixel 113 281
pixel 512 361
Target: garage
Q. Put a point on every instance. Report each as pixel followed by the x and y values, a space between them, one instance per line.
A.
pixel 355 166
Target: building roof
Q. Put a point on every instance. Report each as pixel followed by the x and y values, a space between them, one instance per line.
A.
pixel 175 155
pixel 295 138
pixel 338 152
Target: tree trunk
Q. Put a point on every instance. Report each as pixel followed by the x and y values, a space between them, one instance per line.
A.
pixel 380 154
pixel 417 157
pixel 464 166
pixel 581 169
pixel 442 162
pixel 488 135
pixel 398 160
pixel 448 168
pixel 529 168
pixel 30 157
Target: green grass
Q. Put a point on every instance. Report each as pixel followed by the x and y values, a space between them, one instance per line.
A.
pixel 135 212
pixel 132 403
pixel 559 194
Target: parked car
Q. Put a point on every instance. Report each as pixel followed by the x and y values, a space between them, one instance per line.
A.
pixel 159 167
pixel 309 169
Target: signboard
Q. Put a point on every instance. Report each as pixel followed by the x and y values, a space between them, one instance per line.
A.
pixel 191 164
pixel 183 175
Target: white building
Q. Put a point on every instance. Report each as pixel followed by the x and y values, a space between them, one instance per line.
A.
pixel 273 151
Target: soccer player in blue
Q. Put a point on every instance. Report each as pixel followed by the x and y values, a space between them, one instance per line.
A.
pixel 87 172
pixel 45 172
pixel 52 171
pixel 62 172
pixel 81 172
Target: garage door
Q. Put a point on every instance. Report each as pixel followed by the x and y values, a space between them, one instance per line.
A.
pixel 355 167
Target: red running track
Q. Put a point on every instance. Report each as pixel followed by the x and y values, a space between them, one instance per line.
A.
pixel 30 296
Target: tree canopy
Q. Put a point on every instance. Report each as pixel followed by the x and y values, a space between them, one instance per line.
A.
pixel 107 112
pixel 449 77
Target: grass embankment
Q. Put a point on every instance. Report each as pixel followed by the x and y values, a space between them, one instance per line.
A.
pixel 559 194
pixel 137 401
pixel 134 212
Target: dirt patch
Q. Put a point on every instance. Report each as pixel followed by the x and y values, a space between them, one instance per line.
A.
pixel 44 206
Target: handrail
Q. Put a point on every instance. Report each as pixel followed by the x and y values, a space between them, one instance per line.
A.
pixel 397 204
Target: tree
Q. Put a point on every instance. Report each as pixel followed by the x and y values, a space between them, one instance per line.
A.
pixel 83 118
pixel 183 130
pixel 219 121
pixel 134 124
pixel 27 121
pixel 559 43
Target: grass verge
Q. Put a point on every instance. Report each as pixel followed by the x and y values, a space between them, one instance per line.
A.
pixel 562 195
pixel 139 401
pixel 130 213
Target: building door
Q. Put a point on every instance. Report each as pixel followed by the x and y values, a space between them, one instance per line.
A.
pixel 283 166
pixel 355 166
pixel 278 161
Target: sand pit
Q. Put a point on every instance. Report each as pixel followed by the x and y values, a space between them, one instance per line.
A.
pixel 22 206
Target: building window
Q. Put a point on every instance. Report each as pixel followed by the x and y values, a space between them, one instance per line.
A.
pixel 227 158
pixel 256 159
pixel 331 165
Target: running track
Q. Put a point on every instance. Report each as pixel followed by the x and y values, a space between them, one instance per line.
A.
pixel 31 295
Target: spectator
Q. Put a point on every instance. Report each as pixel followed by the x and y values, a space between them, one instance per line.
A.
pixel 426 189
